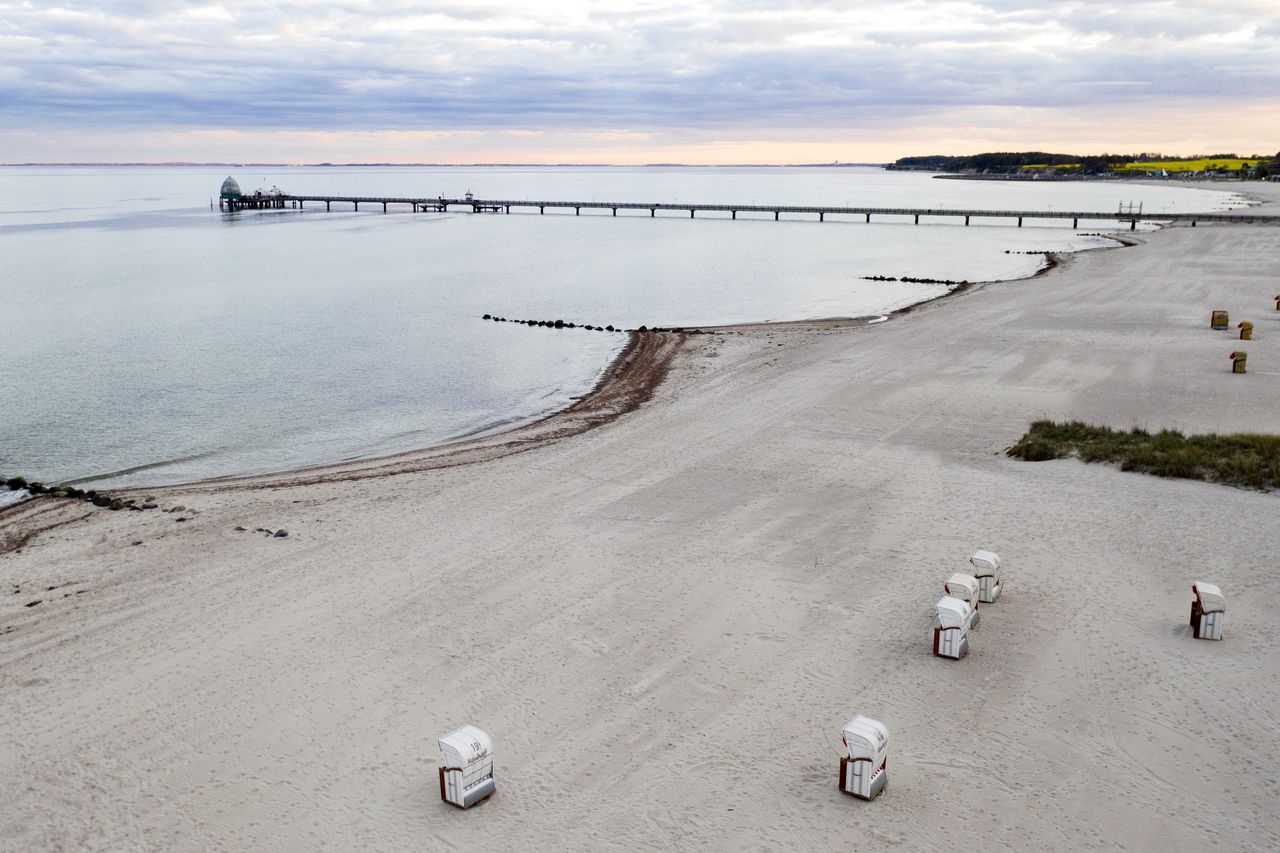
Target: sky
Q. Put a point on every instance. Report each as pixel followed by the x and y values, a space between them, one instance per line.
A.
pixel 633 81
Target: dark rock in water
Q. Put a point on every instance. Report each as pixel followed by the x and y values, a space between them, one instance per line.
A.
pixel 37 488
pixel 610 328
pixel 149 506
pixel 642 329
pixel 116 504
pixel 75 493
pixel 15 483
pixel 281 533
pixel 486 317
pixel 100 500
pixel 559 324
pixel 241 527
pixel 58 493
pixel 532 322
pixel 178 508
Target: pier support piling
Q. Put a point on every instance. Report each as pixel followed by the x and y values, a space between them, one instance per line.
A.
pixel 966 220
pixel 917 219
pixel 1019 221
pixel 868 217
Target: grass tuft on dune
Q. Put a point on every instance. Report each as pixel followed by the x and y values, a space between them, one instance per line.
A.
pixel 1247 460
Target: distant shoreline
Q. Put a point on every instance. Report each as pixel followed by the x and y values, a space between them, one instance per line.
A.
pixel 229 165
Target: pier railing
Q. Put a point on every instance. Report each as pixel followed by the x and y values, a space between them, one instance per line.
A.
pixel 477 205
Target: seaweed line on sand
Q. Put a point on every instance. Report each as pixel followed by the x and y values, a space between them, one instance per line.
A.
pixel 629 381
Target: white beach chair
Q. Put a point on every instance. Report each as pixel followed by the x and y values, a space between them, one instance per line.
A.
pixel 986 568
pixel 951 628
pixel 864 771
pixel 1208 611
pixel 466 776
pixel 964 587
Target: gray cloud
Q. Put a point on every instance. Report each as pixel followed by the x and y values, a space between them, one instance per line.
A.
pixel 726 64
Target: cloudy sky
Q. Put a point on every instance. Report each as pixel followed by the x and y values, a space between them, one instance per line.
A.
pixel 634 81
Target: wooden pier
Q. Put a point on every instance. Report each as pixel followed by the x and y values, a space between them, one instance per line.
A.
pixel 476 205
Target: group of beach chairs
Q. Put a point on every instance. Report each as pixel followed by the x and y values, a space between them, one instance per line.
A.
pixel 956 613
pixel 466 772
pixel 1219 320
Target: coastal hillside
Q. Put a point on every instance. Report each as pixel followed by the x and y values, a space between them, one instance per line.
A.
pixel 1042 164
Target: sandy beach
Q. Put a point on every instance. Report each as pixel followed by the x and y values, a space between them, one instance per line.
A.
pixel 665 610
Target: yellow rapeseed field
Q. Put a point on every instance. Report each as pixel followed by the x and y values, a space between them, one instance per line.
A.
pixel 1201 165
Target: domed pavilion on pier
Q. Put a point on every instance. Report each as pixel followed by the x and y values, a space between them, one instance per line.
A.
pixel 230 190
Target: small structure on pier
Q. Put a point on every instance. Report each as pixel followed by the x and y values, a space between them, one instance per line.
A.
pixel 230 190
pixel 230 197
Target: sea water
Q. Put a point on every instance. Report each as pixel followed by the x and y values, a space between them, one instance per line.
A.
pixel 151 338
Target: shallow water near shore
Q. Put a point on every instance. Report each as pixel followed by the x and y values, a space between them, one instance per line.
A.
pixel 155 340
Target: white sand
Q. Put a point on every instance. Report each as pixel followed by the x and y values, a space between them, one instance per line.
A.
pixel 665 622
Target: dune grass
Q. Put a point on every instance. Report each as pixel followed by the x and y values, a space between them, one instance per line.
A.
pixel 1247 460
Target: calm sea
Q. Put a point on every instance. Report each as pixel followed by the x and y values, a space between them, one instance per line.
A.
pixel 152 339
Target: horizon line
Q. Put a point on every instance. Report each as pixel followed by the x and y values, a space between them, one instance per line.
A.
pixel 246 164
